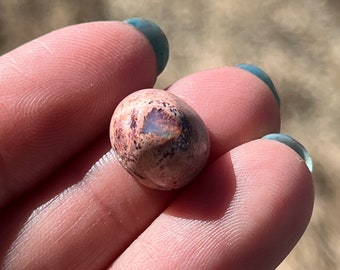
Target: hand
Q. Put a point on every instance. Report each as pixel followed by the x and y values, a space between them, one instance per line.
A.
pixel 246 210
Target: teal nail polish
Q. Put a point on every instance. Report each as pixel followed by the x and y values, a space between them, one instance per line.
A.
pixel 295 145
pixel 156 37
pixel 263 76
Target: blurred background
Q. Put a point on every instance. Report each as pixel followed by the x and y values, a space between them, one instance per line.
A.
pixel 297 42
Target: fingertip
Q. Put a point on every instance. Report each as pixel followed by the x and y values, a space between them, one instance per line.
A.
pixel 254 202
pixel 235 105
pixel 293 144
pixel 262 75
pixel 156 37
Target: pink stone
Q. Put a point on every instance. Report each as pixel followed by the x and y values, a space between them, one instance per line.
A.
pixel 159 139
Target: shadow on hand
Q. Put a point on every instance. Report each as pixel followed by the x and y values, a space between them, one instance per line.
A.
pixel 208 197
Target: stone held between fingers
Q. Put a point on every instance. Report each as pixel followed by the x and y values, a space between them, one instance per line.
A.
pixel 159 139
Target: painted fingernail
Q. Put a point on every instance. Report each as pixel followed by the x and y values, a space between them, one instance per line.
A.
pixel 263 76
pixel 156 37
pixel 295 145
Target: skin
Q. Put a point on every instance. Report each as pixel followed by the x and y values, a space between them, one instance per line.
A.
pixel 246 210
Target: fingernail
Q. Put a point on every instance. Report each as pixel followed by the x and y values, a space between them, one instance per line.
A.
pixel 263 76
pixel 156 37
pixel 295 145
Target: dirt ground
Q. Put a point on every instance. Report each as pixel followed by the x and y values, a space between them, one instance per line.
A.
pixel 296 41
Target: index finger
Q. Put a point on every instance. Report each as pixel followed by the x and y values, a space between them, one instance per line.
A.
pixel 57 93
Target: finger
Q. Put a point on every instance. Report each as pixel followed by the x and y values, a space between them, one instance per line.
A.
pixel 110 205
pixel 58 93
pixel 246 211
pixel 236 105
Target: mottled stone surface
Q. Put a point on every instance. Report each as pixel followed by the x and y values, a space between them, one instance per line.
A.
pixel 159 139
